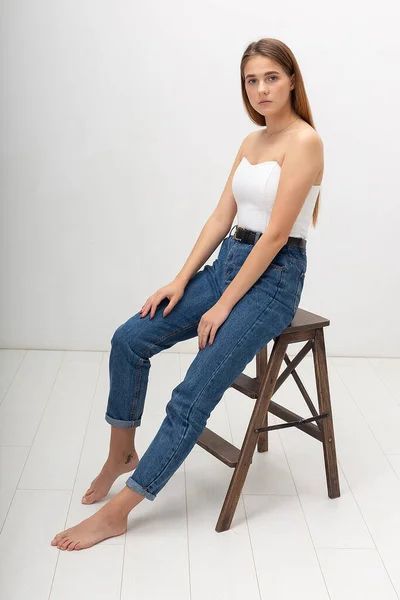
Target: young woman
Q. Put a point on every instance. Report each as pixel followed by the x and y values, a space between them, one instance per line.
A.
pixel 235 306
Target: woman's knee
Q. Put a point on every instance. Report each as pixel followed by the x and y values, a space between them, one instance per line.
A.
pixel 126 333
pixel 137 335
pixel 118 335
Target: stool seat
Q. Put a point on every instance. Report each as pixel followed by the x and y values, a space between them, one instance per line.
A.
pixel 306 326
pixel 305 319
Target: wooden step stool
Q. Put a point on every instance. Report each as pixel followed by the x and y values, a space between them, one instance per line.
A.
pixel 306 327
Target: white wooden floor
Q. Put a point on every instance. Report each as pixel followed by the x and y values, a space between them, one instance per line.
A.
pixel 287 540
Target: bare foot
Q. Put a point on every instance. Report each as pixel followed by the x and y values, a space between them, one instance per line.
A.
pixel 109 473
pixel 107 522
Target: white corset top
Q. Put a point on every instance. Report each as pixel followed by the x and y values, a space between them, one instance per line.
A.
pixel 254 188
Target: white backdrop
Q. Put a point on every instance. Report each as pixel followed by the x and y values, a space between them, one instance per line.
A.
pixel 120 122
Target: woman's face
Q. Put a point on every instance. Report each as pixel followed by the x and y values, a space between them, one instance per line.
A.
pixel 266 80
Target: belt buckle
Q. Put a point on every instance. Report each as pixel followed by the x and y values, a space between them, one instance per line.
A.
pixel 234 235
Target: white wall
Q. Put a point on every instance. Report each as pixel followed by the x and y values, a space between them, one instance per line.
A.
pixel 120 122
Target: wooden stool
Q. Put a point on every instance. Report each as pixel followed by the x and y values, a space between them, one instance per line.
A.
pixel 305 326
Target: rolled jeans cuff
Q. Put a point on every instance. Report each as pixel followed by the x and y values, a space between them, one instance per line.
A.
pixel 122 424
pixel 135 486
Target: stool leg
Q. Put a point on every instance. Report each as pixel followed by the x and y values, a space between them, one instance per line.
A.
pixel 257 418
pixel 324 401
pixel 261 366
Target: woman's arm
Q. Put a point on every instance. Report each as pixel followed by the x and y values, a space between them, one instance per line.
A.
pixel 209 239
pixel 216 227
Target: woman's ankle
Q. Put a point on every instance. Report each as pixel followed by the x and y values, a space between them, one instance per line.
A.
pixel 123 458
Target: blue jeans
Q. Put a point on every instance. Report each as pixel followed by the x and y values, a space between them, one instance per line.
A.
pixel 267 308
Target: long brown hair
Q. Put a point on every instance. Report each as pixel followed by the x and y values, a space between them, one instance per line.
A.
pixel 280 53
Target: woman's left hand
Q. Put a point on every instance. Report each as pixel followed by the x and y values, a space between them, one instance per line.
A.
pixel 210 322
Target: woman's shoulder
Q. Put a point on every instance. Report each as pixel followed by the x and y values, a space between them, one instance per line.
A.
pixel 307 135
pixel 302 129
pixel 307 131
pixel 258 145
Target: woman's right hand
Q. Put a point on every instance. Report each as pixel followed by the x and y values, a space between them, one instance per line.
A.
pixel 174 291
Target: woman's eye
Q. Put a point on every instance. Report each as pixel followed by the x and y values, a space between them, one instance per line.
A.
pixel 272 77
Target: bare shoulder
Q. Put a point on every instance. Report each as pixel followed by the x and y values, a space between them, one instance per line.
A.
pixel 307 137
pixel 251 140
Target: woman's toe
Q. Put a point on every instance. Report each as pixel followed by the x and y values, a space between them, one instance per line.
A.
pixel 57 539
pixel 87 498
pixel 61 539
pixel 64 543
pixel 71 545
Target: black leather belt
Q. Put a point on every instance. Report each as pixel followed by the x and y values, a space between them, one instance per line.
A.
pixel 251 237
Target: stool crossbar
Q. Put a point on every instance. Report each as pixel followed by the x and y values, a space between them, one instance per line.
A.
pixel 305 327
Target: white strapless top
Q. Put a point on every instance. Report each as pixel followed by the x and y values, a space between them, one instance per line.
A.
pixel 254 188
